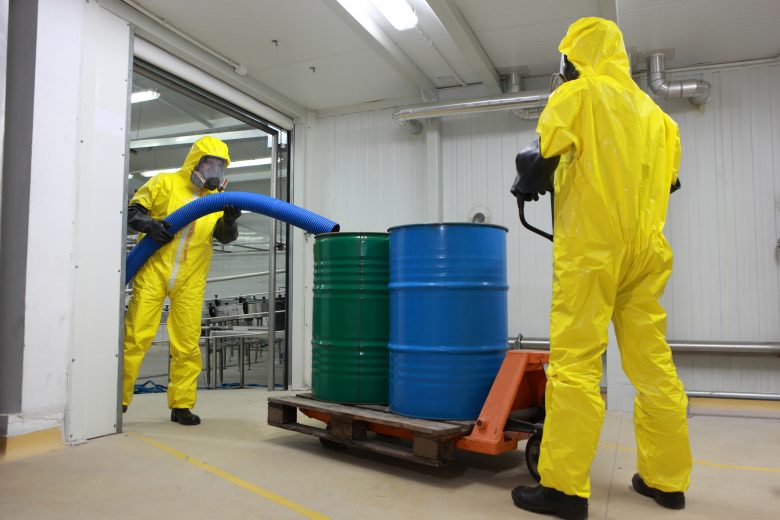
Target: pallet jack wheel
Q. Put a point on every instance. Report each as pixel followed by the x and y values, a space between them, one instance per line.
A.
pixel 532 449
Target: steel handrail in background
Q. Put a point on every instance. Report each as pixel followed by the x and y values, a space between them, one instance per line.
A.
pixel 734 395
pixel 711 347
pixel 219 366
pixel 242 276
pixel 680 347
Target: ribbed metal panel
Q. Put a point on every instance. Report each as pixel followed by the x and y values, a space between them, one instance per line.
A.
pixel 478 158
pixel 723 228
pixel 723 225
pixel 366 172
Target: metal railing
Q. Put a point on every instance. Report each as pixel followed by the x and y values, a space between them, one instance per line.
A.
pixel 242 276
pixel 711 347
pixel 734 395
pixel 722 347
pixel 218 341
pixel 690 347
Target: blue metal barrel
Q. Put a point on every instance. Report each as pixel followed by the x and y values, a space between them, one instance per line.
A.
pixel 448 317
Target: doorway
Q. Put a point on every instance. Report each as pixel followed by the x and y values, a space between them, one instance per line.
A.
pixel 238 347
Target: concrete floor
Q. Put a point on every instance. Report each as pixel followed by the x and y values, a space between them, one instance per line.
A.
pixel 234 466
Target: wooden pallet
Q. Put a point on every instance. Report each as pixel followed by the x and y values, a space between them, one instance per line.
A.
pixel 432 442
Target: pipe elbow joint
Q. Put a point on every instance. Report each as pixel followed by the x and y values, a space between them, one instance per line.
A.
pixel 696 90
pixel 702 95
pixel 413 126
pixel 660 87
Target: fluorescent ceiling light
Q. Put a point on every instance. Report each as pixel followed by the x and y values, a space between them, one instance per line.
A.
pixel 250 162
pixel 144 95
pixel 398 12
pixel 357 9
pixel 235 164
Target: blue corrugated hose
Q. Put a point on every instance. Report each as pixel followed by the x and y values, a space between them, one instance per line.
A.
pixel 253 202
pixel 150 387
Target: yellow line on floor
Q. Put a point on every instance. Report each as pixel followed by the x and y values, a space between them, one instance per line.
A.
pixel 270 495
pixel 703 462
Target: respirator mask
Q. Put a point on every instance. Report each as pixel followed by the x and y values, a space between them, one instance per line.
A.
pixel 566 72
pixel 210 173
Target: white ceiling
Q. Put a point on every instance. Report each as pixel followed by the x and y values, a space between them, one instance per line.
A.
pixel 703 31
pixel 515 34
pixel 524 33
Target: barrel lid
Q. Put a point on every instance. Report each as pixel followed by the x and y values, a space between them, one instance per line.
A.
pixel 351 234
pixel 445 224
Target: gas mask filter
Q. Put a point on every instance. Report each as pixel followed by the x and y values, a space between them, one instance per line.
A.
pixel 210 173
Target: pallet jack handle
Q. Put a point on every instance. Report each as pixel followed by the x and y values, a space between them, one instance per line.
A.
pixel 521 211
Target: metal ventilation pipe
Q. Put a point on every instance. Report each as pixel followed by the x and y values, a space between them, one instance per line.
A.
pixel 514 81
pixel 409 117
pixel 696 90
pixel 514 84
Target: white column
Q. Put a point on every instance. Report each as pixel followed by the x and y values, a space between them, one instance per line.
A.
pixel 99 242
pixel 59 218
pixel 434 211
pixel 303 172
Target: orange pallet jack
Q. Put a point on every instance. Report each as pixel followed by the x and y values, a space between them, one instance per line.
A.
pixel 513 411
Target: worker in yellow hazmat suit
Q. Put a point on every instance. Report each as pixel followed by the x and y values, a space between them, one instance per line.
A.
pixel 177 270
pixel 618 156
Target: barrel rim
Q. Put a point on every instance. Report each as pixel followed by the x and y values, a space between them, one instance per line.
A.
pixel 441 224
pixel 351 234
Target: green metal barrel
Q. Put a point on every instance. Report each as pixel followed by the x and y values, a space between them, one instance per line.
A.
pixel 351 318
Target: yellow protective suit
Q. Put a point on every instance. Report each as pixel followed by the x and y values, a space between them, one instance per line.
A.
pixel 177 270
pixel 619 157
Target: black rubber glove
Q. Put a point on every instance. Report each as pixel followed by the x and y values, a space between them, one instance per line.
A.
pixel 534 173
pixel 226 229
pixel 230 214
pixel 159 231
pixel 528 197
pixel 138 219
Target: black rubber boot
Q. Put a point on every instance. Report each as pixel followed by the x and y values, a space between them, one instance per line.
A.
pixel 549 501
pixel 124 408
pixel 668 499
pixel 184 416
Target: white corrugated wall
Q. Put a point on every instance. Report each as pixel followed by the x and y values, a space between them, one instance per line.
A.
pixel 367 173
pixel 478 164
pixel 724 226
pixel 364 172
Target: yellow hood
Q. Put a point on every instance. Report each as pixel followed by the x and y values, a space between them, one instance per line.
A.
pixel 596 48
pixel 204 146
